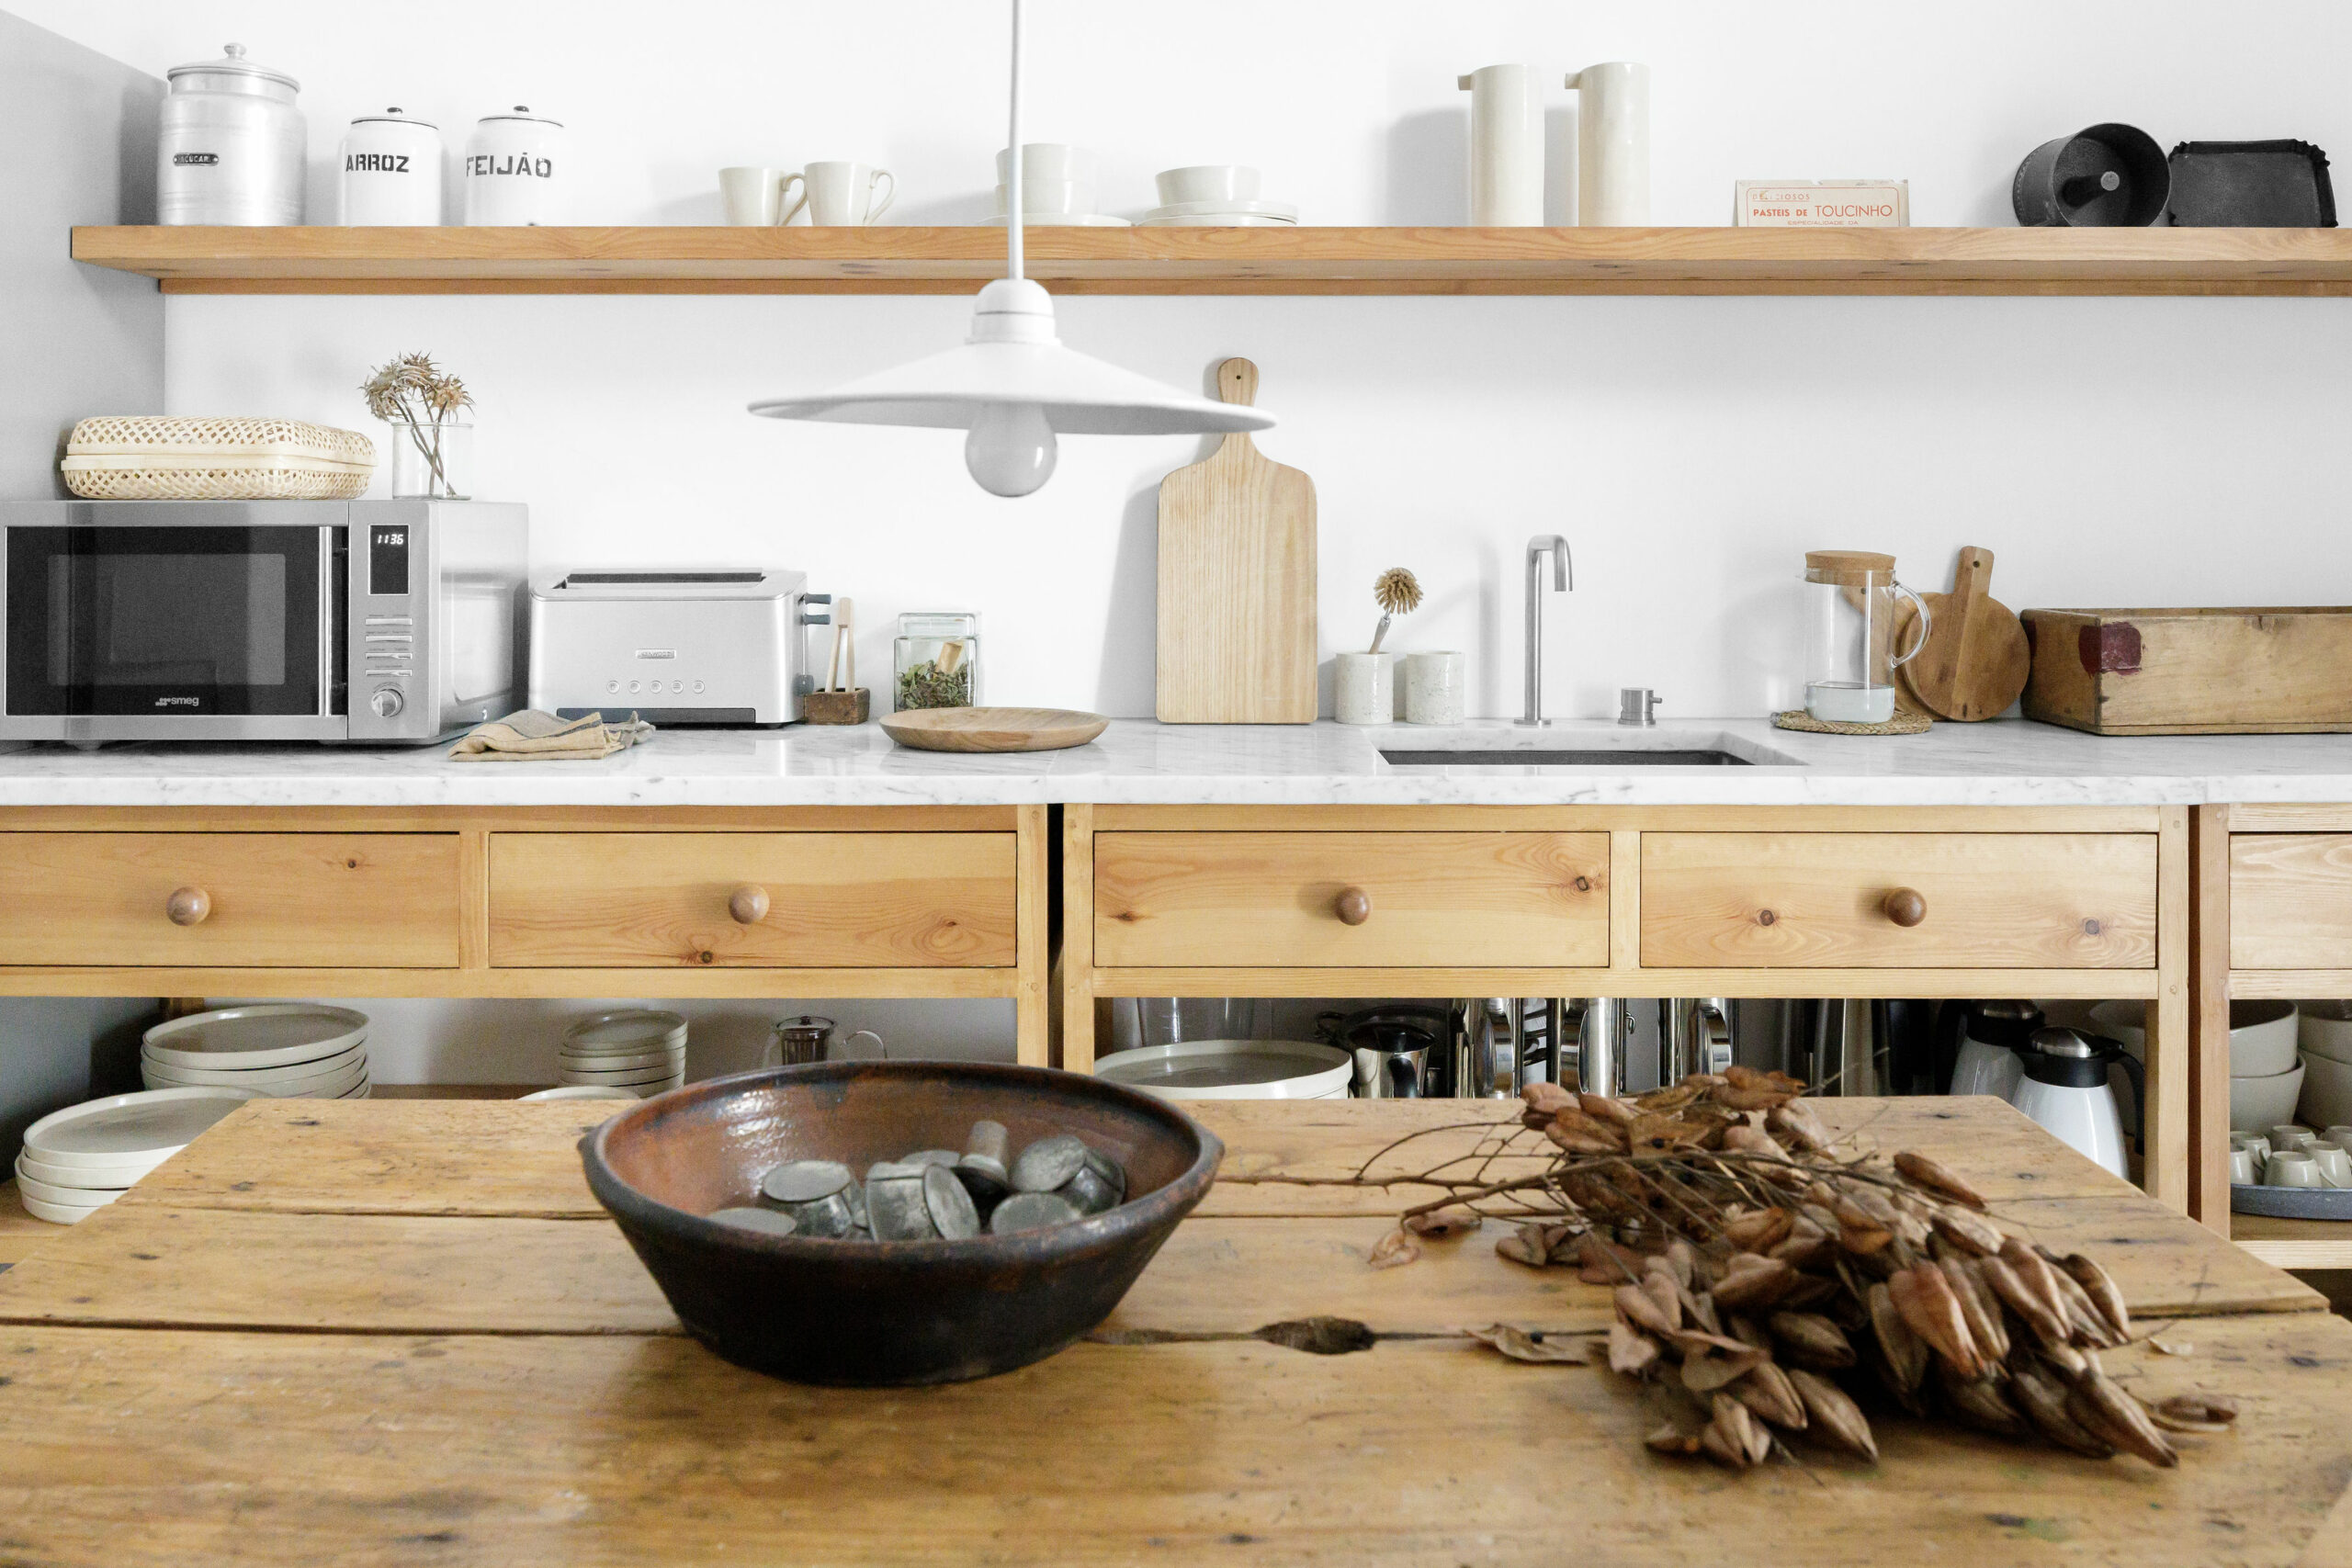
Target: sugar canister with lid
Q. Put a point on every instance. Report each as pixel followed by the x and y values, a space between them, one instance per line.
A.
pixel 392 170
pixel 232 144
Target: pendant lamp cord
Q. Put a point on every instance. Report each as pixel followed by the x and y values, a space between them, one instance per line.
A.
pixel 1013 201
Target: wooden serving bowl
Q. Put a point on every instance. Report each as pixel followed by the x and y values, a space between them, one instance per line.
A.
pixel 867 1314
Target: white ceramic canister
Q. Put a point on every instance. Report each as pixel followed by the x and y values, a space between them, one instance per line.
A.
pixel 1436 687
pixel 516 170
pixel 391 172
pixel 1612 145
pixel 1506 146
pixel 231 145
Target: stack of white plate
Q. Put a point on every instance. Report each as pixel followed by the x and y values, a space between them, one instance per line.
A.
pixel 642 1050
pixel 285 1050
pixel 80 1159
pixel 1233 1069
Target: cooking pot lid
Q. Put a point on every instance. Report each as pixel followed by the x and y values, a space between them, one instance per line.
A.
pixel 523 111
pixel 394 117
pixel 2010 1024
pixel 233 63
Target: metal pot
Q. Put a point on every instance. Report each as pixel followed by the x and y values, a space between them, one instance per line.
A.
pixel 232 146
pixel 1400 1051
pixel 800 1041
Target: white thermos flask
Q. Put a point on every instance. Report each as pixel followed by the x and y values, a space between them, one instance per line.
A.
pixel 1506 146
pixel 391 172
pixel 517 171
pixel 1612 145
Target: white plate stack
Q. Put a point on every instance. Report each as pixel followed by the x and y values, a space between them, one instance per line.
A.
pixel 285 1050
pixel 1221 196
pixel 642 1050
pixel 77 1160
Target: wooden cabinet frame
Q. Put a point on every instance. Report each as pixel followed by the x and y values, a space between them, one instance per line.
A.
pixel 2164 986
pixel 1024 980
pixel 2222 975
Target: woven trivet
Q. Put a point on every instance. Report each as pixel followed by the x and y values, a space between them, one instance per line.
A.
pixel 1902 723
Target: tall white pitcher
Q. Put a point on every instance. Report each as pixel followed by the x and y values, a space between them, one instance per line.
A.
pixel 1612 145
pixel 1506 146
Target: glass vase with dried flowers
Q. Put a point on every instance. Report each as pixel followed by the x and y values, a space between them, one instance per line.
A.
pixel 431 445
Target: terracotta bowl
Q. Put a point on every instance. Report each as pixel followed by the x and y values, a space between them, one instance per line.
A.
pixel 875 1313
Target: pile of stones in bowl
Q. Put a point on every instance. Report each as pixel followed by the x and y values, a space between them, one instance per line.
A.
pixel 936 1194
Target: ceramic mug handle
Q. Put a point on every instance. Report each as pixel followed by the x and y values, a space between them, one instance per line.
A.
pixel 877 208
pixel 1921 640
pixel 784 215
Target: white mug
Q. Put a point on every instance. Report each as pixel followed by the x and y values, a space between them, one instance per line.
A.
pixel 2333 1162
pixel 2340 1135
pixel 839 194
pixel 2292 1168
pixel 2242 1171
pixel 1612 145
pixel 755 198
pixel 2255 1143
pixel 2291 1135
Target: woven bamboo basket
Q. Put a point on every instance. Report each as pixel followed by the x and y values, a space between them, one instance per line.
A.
pixel 181 457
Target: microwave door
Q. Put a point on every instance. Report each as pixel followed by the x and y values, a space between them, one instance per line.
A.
pixel 170 622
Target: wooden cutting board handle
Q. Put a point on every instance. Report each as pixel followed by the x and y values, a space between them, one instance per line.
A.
pixel 1977 660
pixel 1236 382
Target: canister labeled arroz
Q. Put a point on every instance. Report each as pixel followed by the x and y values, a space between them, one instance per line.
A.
pixel 391 172
pixel 232 144
pixel 517 170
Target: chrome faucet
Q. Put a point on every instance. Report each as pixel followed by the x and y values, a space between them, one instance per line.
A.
pixel 1563 578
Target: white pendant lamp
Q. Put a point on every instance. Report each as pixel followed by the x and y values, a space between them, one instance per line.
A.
pixel 1013 384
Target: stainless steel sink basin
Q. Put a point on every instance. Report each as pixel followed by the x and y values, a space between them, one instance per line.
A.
pixel 1691 757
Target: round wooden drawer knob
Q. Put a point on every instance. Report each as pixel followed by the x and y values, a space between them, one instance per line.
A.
pixel 1905 908
pixel 188 906
pixel 1353 906
pixel 748 906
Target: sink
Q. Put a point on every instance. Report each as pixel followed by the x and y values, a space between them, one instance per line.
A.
pixel 1590 757
pixel 1582 745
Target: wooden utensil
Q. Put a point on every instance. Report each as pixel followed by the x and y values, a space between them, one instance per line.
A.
pixel 993 729
pixel 1236 582
pixel 1976 657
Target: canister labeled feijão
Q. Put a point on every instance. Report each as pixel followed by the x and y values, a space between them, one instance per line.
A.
pixel 516 170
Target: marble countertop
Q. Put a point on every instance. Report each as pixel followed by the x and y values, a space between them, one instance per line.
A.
pixel 1136 762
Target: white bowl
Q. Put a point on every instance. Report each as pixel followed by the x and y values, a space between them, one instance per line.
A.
pixel 1048 195
pixel 2258 1104
pixel 2261 1038
pixel 2326 1097
pixel 1042 161
pixel 2324 1029
pixel 1207 182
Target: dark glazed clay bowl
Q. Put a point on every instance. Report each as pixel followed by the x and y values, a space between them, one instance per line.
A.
pixel 867 1314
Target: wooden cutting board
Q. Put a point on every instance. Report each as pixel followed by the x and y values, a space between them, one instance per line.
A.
pixel 993 729
pixel 1976 657
pixel 1236 582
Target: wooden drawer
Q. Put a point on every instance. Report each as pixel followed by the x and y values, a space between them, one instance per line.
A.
pixel 2290 900
pixel 833 900
pixel 269 901
pixel 1820 901
pixel 1271 900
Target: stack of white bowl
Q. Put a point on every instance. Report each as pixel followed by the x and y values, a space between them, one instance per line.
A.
pixel 1057 188
pixel 285 1050
pixel 1221 196
pixel 2326 1035
pixel 2266 1079
pixel 642 1050
pixel 76 1161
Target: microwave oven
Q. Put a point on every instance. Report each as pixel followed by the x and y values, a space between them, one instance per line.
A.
pixel 377 622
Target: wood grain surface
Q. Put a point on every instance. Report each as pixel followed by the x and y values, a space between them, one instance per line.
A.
pixel 382 900
pixel 1270 899
pixel 836 899
pixel 993 729
pixel 1998 900
pixel 2216 670
pixel 1976 660
pixel 1236 582
pixel 2290 901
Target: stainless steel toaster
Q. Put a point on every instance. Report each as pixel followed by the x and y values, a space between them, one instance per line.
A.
pixel 723 647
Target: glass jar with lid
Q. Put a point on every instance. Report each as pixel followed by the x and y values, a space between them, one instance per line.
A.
pixel 937 660
pixel 1849 616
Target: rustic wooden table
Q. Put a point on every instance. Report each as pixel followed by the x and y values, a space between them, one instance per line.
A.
pixel 361 1332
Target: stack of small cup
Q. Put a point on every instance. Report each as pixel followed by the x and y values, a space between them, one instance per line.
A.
pixel 1057 186
pixel 642 1050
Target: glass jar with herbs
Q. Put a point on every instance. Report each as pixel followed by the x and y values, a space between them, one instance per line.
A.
pixel 937 658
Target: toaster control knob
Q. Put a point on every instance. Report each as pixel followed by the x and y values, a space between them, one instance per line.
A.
pixel 387 702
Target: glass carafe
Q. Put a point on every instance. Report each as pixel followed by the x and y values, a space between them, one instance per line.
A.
pixel 1849 635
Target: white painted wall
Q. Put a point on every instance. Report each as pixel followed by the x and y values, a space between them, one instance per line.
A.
pixel 2109 451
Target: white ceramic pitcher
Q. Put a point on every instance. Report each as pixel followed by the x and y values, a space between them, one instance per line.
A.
pixel 1506 146
pixel 1612 145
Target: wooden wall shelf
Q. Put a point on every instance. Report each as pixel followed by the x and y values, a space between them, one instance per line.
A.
pixel 911 260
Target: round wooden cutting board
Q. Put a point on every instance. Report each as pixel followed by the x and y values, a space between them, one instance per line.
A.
pixel 1977 660
pixel 993 729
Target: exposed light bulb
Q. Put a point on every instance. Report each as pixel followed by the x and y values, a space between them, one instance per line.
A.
pixel 1010 449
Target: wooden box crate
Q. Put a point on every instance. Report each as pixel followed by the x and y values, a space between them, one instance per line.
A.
pixel 2198 672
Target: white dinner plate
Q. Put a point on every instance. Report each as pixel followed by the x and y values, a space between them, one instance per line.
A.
pixel 308 1085
pixel 252 1077
pixel 671 1060
pixel 66 1197
pixel 57 1213
pixel 104 1179
pixel 271 1034
pixel 1219 221
pixel 1280 211
pixel 626 1031
pixel 156 1123
pixel 583 1092
pixel 622 1080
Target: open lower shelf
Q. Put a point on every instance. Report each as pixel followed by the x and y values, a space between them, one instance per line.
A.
pixel 914 260
pixel 2294 1244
